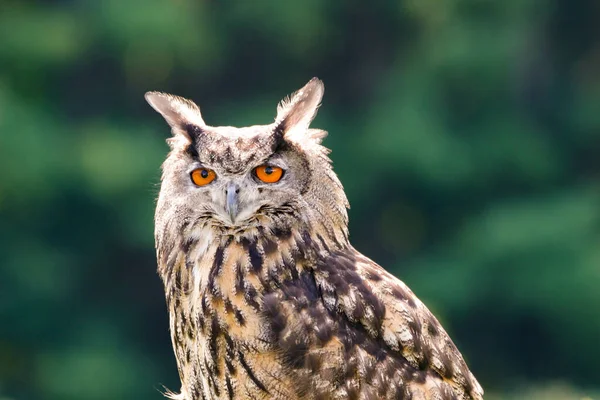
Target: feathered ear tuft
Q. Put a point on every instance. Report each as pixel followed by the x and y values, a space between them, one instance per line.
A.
pixel 294 114
pixel 179 113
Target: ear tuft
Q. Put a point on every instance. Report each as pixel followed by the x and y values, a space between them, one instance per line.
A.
pixel 177 111
pixel 295 113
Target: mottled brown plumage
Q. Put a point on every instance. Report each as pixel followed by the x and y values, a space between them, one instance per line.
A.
pixel 266 296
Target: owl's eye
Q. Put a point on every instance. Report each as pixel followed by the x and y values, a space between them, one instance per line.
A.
pixel 268 173
pixel 203 176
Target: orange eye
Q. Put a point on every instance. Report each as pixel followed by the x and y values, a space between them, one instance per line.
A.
pixel 203 176
pixel 268 173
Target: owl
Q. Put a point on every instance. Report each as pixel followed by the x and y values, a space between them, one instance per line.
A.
pixel 267 298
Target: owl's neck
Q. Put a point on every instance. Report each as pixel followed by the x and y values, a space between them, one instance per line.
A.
pixel 203 257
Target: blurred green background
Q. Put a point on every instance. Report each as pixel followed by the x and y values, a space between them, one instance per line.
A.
pixel 466 134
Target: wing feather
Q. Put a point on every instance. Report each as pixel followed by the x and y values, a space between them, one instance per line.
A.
pixel 363 292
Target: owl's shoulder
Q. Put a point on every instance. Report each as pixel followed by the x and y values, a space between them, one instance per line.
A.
pixel 371 298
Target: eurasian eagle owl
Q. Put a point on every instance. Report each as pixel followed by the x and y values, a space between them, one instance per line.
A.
pixel 267 297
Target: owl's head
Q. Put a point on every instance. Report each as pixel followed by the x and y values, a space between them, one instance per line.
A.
pixel 274 176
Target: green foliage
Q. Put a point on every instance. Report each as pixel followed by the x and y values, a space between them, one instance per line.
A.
pixel 466 133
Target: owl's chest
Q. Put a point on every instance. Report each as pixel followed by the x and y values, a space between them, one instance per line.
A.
pixel 225 349
pixel 247 322
pixel 222 339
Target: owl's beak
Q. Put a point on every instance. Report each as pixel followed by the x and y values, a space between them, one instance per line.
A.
pixel 232 201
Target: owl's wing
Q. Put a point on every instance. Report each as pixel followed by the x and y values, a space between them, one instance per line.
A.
pixel 366 294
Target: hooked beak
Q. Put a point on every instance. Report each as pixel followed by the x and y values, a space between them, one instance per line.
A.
pixel 231 206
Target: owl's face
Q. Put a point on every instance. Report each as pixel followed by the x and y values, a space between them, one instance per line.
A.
pixel 235 178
